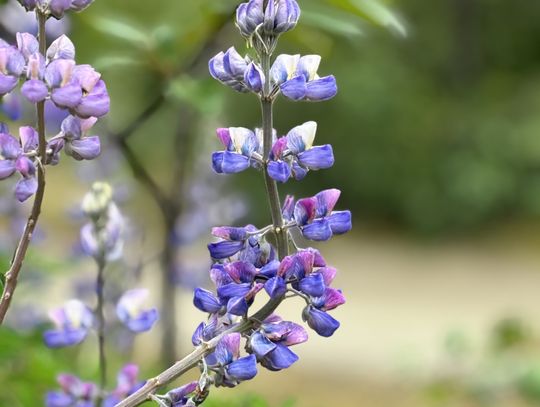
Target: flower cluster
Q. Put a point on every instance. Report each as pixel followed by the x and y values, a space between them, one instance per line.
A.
pixel 294 76
pixel 248 262
pixel 74 392
pixel 53 77
pixel 292 155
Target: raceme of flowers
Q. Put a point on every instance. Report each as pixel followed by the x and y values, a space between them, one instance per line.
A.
pixel 53 77
pixel 246 263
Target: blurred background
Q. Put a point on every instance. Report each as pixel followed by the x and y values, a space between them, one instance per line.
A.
pixel 436 134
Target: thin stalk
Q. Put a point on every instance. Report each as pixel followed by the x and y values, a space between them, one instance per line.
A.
pixel 12 275
pixel 272 192
pixel 100 286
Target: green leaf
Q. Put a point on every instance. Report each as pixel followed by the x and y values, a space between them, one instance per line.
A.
pixel 332 20
pixel 111 61
pixel 123 31
pixel 379 14
pixel 200 94
pixel 2 282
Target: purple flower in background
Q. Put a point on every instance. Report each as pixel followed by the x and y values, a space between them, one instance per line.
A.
pixel 231 368
pixel 271 342
pixel 107 241
pixel 278 17
pixel 56 8
pixel 11 105
pixel 297 78
pixel 74 392
pixel 126 384
pixel 316 218
pixel 179 397
pixel 131 313
pixel 72 322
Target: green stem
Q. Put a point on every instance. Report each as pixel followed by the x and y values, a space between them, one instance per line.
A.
pixel 100 285
pixel 272 192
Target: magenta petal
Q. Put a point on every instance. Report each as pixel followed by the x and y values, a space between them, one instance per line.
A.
pixel 326 201
pixel 333 298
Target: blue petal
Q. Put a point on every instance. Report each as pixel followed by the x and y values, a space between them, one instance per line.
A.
pixel 340 222
pixel 280 358
pixel 62 338
pixel 270 269
pixel 237 306
pixel 317 158
pixel 7 168
pixel 279 170
pixel 320 321
pixel 143 322
pixel 254 78
pixel 313 285
pixel 321 89
pixel 294 88
pixel 58 399
pixel 233 290
pixel 242 369
pixel 276 287
pixel 206 301
pixel 260 344
pixel 222 250
pixel 229 163
pixel 319 230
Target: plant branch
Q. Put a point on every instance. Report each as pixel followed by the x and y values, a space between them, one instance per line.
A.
pixel 191 360
pixel 12 275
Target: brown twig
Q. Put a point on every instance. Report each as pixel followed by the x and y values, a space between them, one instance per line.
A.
pixel 12 275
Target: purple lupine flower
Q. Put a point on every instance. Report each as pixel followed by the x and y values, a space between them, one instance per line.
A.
pixel 272 341
pixel 297 78
pixel 278 17
pixel 56 8
pixel 229 68
pixel 179 397
pixel 232 240
pixel 294 154
pixel 236 286
pixel 77 143
pixel 72 322
pixel 15 19
pixel 215 325
pixel 231 368
pixel 130 312
pixel 74 392
pixel 126 384
pixel 316 218
pixel 12 65
pixel 316 314
pixel 16 156
pixel 243 148
pixel 254 78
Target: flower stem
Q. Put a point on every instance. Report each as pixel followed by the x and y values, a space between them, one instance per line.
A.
pixel 12 275
pixel 271 186
pixel 100 285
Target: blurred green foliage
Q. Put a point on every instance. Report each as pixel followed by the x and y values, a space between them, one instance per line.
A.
pixel 436 131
